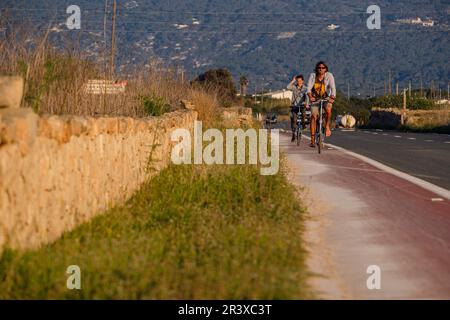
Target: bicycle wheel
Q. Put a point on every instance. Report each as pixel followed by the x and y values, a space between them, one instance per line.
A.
pixel 320 137
pixel 319 144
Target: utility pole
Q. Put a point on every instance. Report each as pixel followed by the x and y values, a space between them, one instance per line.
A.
pixel 390 83
pixel 181 71
pixel 396 89
pixel 404 107
pixel 348 90
pixel 431 89
pixel 410 88
pixel 105 65
pixel 262 92
pixel 385 87
pixel 113 38
pixel 421 86
pixel 448 91
pixel 374 91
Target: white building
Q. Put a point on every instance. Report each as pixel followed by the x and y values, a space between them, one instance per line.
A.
pixel 418 21
pixel 443 101
pixel 332 27
pixel 428 23
pixel 280 94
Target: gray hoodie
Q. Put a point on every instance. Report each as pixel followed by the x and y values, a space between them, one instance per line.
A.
pixel 330 86
pixel 299 96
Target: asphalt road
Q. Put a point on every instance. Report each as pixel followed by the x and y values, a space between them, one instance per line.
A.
pixel 425 156
pixel 422 155
pixel 361 216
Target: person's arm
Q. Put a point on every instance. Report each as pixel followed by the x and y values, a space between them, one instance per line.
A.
pixel 312 79
pixel 332 88
pixel 291 85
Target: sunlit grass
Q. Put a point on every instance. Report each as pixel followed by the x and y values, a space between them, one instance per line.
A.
pixel 191 233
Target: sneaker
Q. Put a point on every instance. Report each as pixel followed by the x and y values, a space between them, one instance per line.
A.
pixel 293 137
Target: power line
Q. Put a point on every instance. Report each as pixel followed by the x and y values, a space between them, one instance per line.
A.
pixel 294 32
pixel 113 37
pixel 366 33
pixel 152 11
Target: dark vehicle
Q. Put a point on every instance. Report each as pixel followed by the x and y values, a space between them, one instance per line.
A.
pixel 271 118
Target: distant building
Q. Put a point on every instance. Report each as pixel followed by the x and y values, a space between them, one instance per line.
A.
pixel 333 27
pixel 428 23
pixel 280 94
pixel 418 21
pixel 443 101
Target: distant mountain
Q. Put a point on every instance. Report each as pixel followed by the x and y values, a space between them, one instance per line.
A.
pixel 269 41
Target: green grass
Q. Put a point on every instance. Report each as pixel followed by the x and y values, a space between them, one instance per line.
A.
pixel 191 233
pixel 428 128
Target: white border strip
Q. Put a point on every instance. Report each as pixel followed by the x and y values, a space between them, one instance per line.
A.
pixel 419 182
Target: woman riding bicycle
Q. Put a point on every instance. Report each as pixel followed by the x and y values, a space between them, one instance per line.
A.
pixel 321 85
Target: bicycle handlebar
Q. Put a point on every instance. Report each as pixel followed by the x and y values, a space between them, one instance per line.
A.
pixel 318 101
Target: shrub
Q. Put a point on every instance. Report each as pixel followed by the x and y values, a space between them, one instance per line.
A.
pixel 396 101
pixel 206 104
pixel 221 81
pixel 154 105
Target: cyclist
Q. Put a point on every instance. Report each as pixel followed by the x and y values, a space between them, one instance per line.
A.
pixel 321 85
pixel 298 102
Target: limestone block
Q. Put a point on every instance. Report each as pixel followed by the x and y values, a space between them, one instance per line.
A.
pixel 11 91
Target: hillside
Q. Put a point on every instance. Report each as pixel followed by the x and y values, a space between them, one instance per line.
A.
pixel 266 40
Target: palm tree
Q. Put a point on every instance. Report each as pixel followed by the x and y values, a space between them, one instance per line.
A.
pixel 243 81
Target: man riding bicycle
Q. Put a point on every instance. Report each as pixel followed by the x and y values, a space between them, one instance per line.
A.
pixel 321 85
pixel 298 102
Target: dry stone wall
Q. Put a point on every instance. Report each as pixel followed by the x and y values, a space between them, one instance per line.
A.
pixel 59 171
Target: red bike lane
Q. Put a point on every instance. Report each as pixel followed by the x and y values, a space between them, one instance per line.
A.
pixel 374 218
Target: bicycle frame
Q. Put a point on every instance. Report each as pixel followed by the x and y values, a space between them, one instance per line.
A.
pixel 319 135
pixel 298 131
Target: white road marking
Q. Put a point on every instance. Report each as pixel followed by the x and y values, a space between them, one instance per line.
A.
pixel 448 142
pixel 397 137
pixel 374 133
pixel 412 138
pixel 429 140
pixel 419 182
pixel 385 134
pixel 437 200
pixel 379 130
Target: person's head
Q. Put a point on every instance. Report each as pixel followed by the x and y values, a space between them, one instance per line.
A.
pixel 299 80
pixel 321 68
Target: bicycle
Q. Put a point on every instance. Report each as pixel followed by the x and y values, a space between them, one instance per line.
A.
pixel 299 123
pixel 298 128
pixel 319 135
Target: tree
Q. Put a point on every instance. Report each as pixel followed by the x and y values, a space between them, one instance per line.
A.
pixel 221 81
pixel 243 81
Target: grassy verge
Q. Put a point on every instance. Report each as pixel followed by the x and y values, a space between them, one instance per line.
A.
pixel 445 129
pixel 56 80
pixel 191 233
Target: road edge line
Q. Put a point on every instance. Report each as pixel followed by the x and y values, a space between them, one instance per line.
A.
pixel 417 181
